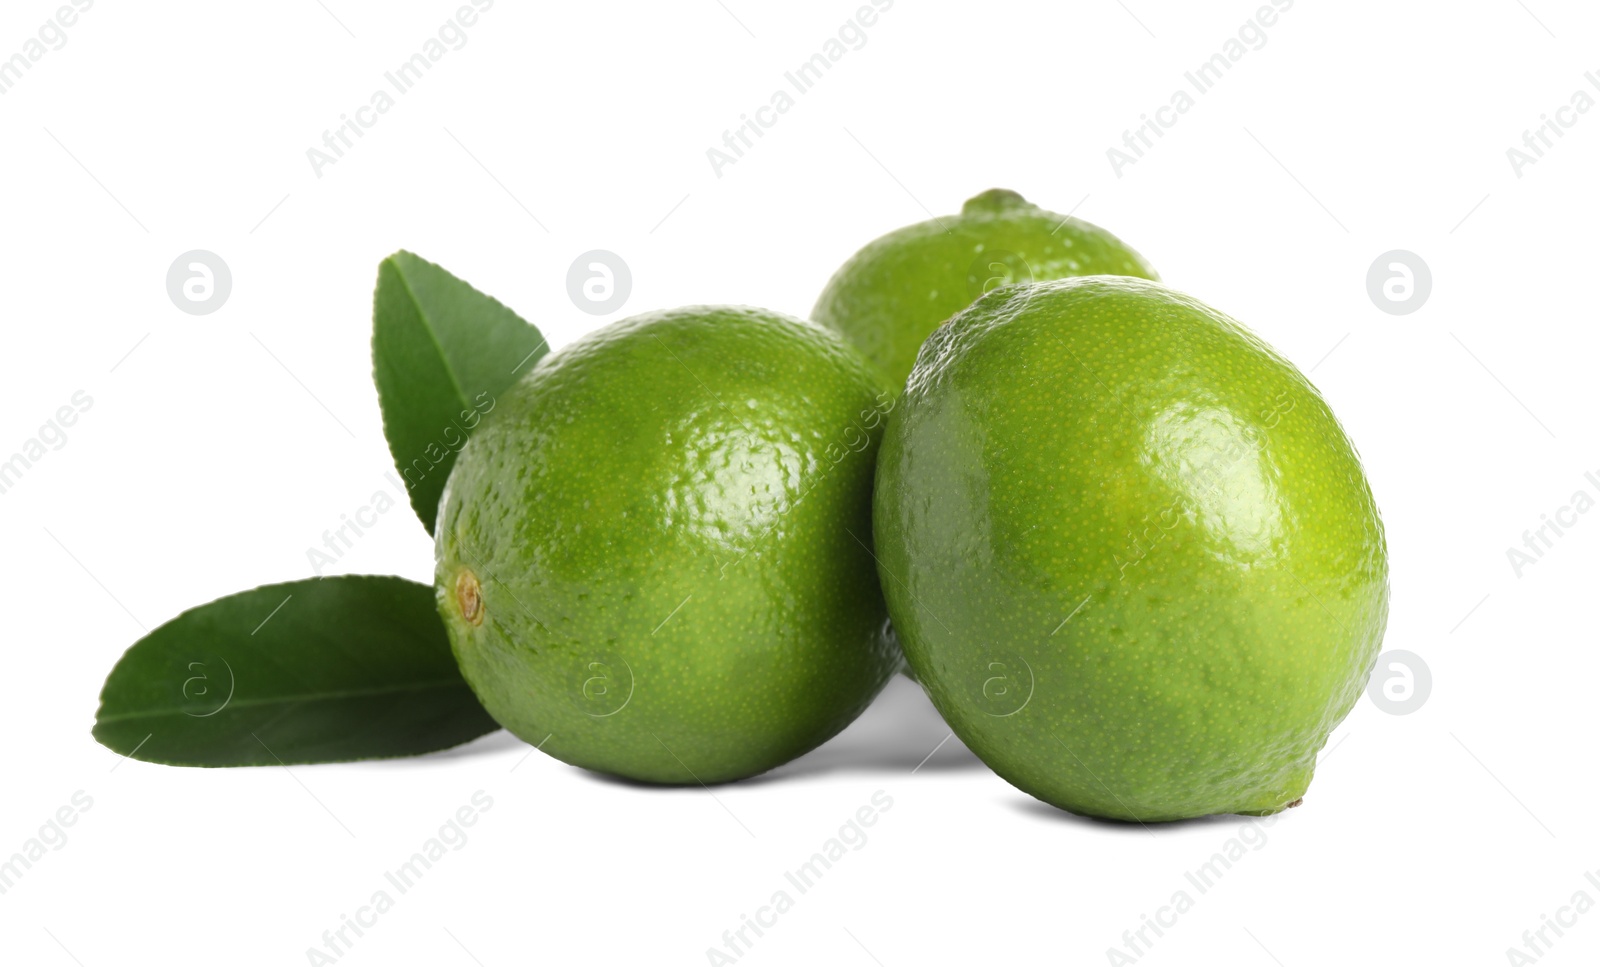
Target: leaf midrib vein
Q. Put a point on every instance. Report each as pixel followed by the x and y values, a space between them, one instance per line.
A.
pixel 289 700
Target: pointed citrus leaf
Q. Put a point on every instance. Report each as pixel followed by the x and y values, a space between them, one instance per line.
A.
pixel 323 670
pixel 441 352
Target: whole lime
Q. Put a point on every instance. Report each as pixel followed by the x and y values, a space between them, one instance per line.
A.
pixel 890 295
pixel 653 554
pixel 1129 551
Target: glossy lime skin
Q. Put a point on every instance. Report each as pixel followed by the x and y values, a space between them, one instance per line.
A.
pixel 1129 551
pixel 892 294
pixel 667 523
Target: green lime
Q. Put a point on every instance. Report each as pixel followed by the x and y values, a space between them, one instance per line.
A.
pixel 653 553
pixel 890 295
pixel 1128 550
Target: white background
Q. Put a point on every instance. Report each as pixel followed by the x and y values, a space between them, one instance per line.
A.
pixel 220 447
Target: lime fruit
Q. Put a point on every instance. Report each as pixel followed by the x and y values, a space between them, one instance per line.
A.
pixel 890 295
pixel 1129 551
pixel 653 553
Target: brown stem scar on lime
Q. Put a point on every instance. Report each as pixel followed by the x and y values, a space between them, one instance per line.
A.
pixel 469 598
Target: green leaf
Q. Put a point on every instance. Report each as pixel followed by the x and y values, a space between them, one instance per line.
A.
pixel 324 670
pixel 441 352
